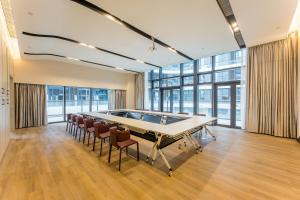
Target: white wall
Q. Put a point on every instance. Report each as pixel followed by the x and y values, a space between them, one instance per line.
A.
pixel 65 74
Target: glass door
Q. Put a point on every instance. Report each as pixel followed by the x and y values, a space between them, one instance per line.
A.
pixel 171 100
pixel 227 104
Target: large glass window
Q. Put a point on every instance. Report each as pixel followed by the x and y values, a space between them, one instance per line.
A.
pixel 217 86
pixel 171 71
pixel 188 68
pixel 170 82
pixel 205 99
pixel 228 60
pixel 99 100
pixel 188 99
pixel 55 103
pixel 77 99
pixel 205 64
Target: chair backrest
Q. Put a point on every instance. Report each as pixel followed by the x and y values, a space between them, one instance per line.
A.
pixel 69 116
pixel 73 118
pixel 201 114
pixel 113 135
pixel 79 120
pixel 123 135
pixel 100 127
pixel 88 123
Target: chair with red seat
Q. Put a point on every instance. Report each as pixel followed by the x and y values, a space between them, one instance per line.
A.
pixel 73 123
pixel 80 126
pixel 101 132
pixel 88 128
pixel 121 140
pixel 69 121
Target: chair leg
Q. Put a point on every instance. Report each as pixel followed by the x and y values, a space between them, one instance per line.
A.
pixel 79 134
pixel 94 142
pixel 137 151
pixel 76 132
pixel 101 147
pixel 67 126
pixel 109 154
pixel 127 151
pixel 89 138
pixel 120 157
pixel 84 133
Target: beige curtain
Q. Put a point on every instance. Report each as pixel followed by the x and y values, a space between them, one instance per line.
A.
pixel 139 91
pixel 30 105
pixel 117 99
pixel 272 88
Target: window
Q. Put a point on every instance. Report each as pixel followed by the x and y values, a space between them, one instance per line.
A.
pixel 156 99
pixel 228 60
pixel 188 99
pixel 228 75
pixel 205 99
pixel 214 85
pixel 170 82
pixel 77 100
pixel 188 68
pixel 171 71
pixel 55 103
pixel 205 64
pixel 188 80
pixel 99 100
pixel 155 74
pixel 204 78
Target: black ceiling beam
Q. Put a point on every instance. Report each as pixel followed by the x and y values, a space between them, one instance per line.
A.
pixel 77 42
pixel 129 26
pixel 227 11
pixel 86 61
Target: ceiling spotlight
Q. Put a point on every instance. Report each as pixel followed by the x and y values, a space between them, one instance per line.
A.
pixel 140 61
pixel 234 24
pixel 236 29
pixel 171 49
pixel 83 44
pixel 91 46
pixel 152 49
pixel 70 58
pixel 119 68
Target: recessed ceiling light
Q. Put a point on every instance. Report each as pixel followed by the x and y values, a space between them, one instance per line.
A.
pixel 171 49
pixel 140 61
pixel 83 44
pixel 70 58
pixel 236 29
pixel 234 24
pixel 30 13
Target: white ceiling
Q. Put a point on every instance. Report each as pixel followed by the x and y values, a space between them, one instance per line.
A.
pixel 196 28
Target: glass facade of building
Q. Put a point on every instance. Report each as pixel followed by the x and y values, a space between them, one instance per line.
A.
pixel 62 100
pixel 209 86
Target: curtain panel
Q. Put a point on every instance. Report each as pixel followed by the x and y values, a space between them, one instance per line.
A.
pixel 272 73
pixel 30 105
pixel 139 91
pixel 117 99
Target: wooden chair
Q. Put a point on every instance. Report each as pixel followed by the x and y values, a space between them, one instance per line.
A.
pixel 121 140
pixel 88 128
pixel 73 123
pixel 69 121
pixel 101 132
pixel 80 126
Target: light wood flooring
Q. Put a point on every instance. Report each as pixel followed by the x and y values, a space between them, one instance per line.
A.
pixel 47 163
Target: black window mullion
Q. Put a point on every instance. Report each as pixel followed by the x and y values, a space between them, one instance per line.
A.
pixel 64 108
pixel 195 103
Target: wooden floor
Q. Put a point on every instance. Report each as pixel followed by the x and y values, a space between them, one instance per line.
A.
pixel 46 163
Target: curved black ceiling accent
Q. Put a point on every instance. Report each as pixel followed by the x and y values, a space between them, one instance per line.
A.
pixel 85 61
pixel 129 26
pixel 227 11
pixel 77 42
